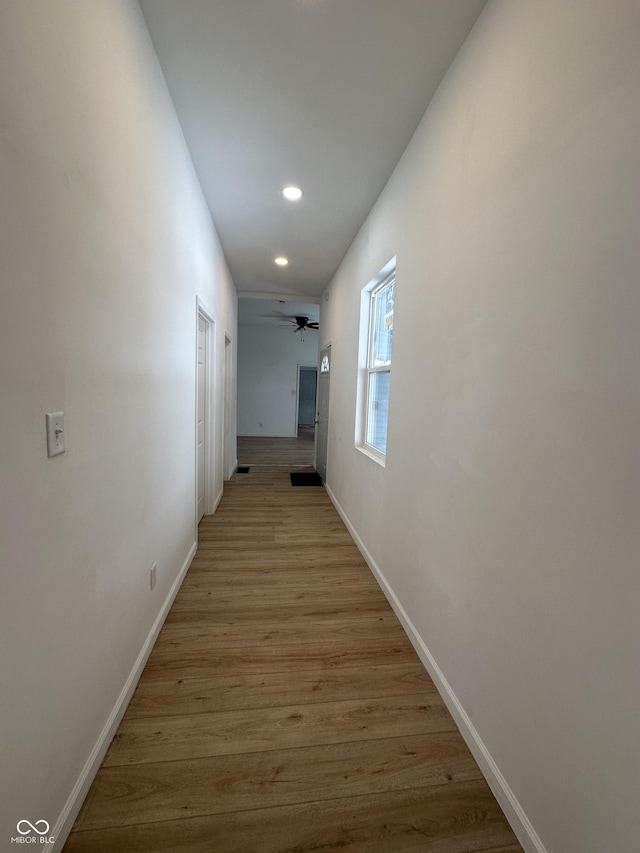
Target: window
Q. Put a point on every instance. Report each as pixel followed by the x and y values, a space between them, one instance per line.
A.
pixel 378 362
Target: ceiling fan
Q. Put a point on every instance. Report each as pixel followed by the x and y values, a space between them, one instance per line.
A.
pixel 299 323
pixel 302 323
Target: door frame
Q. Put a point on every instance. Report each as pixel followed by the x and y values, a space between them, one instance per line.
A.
pixel 203 313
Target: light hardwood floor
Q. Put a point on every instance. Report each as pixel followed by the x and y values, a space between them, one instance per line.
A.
pixel 283 708
pixel 279 452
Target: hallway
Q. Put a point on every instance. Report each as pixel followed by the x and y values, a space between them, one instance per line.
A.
pixel 283 707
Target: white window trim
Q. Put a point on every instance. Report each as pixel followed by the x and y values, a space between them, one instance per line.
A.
pixel 373 453
pixel 365 370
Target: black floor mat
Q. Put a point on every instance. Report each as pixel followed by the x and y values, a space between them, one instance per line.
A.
pixel 304 478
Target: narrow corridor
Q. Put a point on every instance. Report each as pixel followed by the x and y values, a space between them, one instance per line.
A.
pixel 283 707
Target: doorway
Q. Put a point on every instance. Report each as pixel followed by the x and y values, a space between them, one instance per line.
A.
pixel 322 419
pixel 229 461
pixel 204 411
pixel 307 382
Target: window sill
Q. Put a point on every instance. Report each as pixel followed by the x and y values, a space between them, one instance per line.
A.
pixel 372 453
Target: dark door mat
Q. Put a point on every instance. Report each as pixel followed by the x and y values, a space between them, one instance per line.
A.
pixel 242 469
pixel 304 478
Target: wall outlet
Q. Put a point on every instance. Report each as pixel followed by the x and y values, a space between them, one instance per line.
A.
pixel 152 575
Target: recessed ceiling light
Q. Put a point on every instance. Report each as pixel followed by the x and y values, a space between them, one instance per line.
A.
pixel 281 261
pixel 292 193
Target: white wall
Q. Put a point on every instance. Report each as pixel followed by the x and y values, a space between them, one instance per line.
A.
pixel 506 520
pixel 268 359
pixel 105 242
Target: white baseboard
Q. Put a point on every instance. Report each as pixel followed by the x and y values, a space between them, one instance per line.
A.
pixel 515 814
pixel 77 796
pixel 217 500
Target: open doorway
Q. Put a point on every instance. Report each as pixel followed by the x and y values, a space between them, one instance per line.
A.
pixel 322 431
pixel 306 408
pixel 204 411
pixel 229 454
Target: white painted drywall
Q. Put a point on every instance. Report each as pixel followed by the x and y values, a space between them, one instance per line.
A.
pixel 506 519
pixel 268 359
pixel 105 242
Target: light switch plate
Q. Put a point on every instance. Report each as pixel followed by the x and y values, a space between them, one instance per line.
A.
pixel 55 433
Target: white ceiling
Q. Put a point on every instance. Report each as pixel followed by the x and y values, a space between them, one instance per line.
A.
pixel 325 94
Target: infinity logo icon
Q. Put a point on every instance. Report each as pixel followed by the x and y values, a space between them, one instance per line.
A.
pixel 32 827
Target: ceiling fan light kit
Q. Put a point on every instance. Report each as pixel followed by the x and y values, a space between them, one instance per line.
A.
pixel 302 325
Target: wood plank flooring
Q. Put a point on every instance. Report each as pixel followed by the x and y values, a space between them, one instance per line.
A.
pixel 254 450
pixel 283 709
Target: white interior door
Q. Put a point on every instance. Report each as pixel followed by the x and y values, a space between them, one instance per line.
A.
pixel 201 415
pixel 322 421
